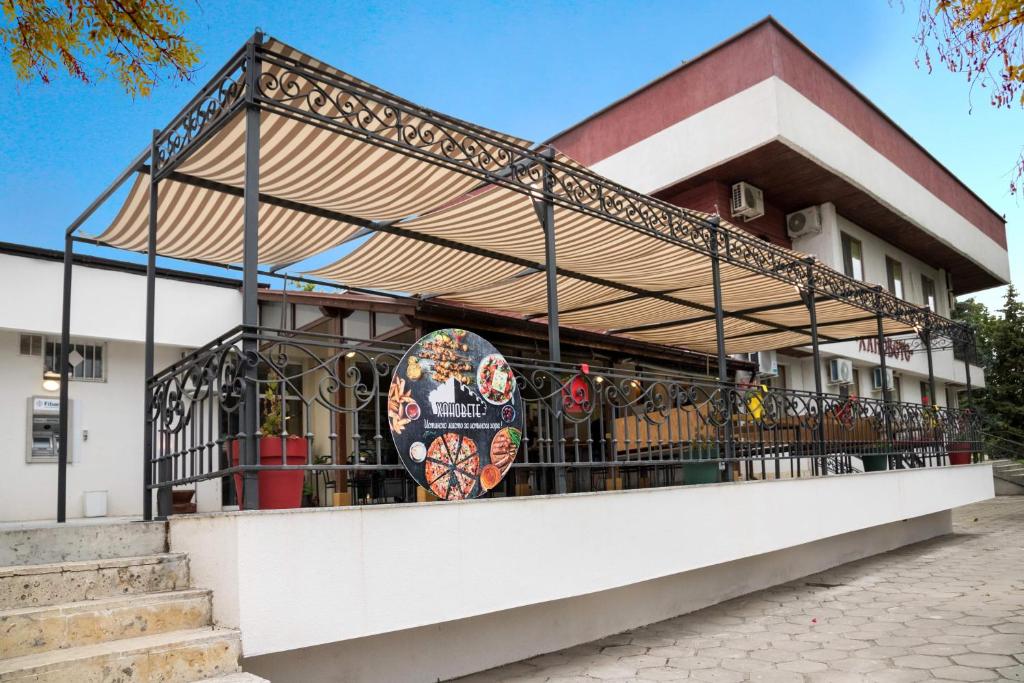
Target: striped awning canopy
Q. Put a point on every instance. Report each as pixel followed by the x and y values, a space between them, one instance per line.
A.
pixel 611 279
pixel 199 208
pixel 436 225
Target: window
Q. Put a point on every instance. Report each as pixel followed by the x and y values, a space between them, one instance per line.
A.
pixel 851 390
pixel 31 345
pixel 88 361
pixel 928 293
pixel 779 380
pixel 894 271
pixel 853 257
pixel 897 390
pixel 951 397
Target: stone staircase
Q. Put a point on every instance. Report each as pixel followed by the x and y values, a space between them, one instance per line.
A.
pixel 106 603
pixel 1009 475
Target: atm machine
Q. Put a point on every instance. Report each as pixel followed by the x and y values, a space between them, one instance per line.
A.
pixel 44 429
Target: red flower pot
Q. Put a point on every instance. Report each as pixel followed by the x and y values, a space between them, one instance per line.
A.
pixel 959 453
pixel 279 489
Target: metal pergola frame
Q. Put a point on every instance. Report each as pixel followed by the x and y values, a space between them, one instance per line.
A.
pixel 241 85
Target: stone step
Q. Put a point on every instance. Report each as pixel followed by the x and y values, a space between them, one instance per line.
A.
pixel 33 630
pixel 1008 471
pixel 175 657
pixel 46 543
pixel 239 677
pixel 53 584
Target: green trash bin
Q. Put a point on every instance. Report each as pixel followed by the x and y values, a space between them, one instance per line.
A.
pixel 695 470
pixel 875 457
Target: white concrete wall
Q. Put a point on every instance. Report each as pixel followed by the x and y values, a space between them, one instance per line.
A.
pixel 827 246
pixel 512 635
pixel 296 579
pixel 772 110
pixel 108 307
pixel 111 305
pixel 111 411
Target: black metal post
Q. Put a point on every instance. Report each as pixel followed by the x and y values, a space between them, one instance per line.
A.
pixel 723 369
pixel 250 285
pixel 887 408
pixel 546 210
pixel 63 366
pixel 926 338
pixel 968 349
pixel 810 294
pixel 163 495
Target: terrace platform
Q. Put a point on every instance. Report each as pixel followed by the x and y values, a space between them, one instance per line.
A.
pixel 947 609
pixel 344 589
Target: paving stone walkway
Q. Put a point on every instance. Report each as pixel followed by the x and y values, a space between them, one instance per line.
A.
pixel 947 609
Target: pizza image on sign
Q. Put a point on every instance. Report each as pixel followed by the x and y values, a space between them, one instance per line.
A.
pixel 455 414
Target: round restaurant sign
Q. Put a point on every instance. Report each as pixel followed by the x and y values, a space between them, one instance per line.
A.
pixel 455 414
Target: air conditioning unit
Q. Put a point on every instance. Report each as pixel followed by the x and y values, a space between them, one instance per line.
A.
pixel 804 223
pixel 876 379
pixel 747 201
pixel 840 371
pixel 767 363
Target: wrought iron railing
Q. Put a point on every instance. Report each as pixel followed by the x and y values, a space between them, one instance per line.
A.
pixel 587 428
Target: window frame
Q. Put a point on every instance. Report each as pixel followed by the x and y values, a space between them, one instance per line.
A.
pixel 926 284
pixel 31 338
pixel 73 377
pixel 847 243
pixel 891 265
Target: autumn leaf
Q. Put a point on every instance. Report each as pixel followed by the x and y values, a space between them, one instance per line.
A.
pixel 134 41
pixel 982 39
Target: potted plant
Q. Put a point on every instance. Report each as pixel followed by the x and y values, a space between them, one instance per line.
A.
pixel 696 469
pixel 961 445
pixel 875 457
pixel 279 489
pixel 960 449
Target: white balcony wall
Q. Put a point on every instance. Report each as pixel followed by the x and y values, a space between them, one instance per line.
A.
pixel 302 578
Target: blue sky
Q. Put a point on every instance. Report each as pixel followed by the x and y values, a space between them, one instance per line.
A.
pixel 529 69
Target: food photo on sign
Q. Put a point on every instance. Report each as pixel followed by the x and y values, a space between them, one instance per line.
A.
pixel 455 414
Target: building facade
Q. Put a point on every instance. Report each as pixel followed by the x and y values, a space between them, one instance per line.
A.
pixel 763 132
pixel 828 174
pixel 619 421
pixel 106 390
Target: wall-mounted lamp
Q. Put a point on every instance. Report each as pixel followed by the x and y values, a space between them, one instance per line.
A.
pixel 51 380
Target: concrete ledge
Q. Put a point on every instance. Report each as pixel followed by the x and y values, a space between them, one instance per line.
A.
pixel 296 579
pixel 516 634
